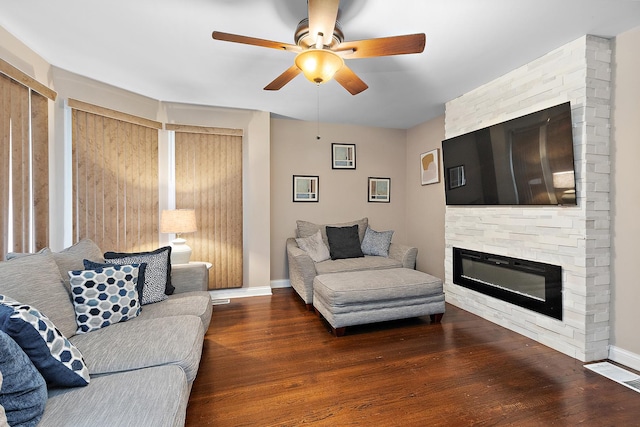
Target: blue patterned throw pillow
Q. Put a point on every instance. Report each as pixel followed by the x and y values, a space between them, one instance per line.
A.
pixel 60 362
pixel 104 296
pixel 92 265
pixel 157 276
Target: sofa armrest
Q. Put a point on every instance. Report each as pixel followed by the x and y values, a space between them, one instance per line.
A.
pixel 302 270
pixel 405 254
pixel 190 277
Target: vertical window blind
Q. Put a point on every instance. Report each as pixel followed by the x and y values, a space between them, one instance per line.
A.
pixel 115 178
pixel 208 178
pixel 24 160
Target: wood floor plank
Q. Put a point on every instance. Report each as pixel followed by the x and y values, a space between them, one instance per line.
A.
pixel 267 361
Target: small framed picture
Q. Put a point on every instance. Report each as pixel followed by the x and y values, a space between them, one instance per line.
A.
pixel 305 188
pixel 343 156
pixel 380 190
pixel 430 167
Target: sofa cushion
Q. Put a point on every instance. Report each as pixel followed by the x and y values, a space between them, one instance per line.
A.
pixel 306 228
pixel 59 362
pixel 357 264
pixel 155 397
pixel 104 296
pixel 344 242
pixel 35 280
pixel 141 343
pixel 72 258
pixel 157 276
pixel 196 303
pixel 314 247
pixel 91 265
pixel 23 391
pixel 376 242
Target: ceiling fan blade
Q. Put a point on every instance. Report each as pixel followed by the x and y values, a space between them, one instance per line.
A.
pixel 350 81
pixel 217 35
pixel 283 78
pixel 322 19
pixel 385 46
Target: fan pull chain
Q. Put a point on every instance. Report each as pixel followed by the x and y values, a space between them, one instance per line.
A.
pixel 318 116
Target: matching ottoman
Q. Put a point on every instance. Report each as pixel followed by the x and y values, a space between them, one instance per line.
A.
pixel 360 297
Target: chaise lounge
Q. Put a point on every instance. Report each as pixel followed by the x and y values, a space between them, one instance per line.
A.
pixel 352 275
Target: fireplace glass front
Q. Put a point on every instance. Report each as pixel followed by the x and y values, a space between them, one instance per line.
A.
pixel 528 284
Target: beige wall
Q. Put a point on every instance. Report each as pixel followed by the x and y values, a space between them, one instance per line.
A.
pixel 343 193
pixel 425 203
pixel 416 212
pixel 625 193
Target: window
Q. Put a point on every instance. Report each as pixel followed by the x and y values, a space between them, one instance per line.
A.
pixel 24 161
pixel 208 178
pixel 115 178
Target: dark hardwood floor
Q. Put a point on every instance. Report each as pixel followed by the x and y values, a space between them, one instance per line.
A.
pixel 268 362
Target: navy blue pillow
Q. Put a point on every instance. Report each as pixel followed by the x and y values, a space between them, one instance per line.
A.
pixel 23 393
pixel 92 265
pixel 60 362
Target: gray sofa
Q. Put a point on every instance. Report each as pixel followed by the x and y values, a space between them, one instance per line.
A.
pixel 141 370
pixel 302 269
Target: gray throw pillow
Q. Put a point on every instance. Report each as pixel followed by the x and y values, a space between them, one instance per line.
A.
pixel 23 391
pixel 344 242
pixel 72 258
pixel 13 255
pixel 376 242
pixel 35 280
pixel 314 247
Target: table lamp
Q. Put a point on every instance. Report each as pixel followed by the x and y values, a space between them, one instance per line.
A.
pixel 179 221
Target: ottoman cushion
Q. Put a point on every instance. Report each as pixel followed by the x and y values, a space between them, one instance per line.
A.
pixel 376 285
pixel 358 297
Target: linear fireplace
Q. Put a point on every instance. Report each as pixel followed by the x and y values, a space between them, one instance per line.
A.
pixel 532 285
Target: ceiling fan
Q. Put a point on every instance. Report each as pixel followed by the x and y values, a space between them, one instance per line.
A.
pixel 321 49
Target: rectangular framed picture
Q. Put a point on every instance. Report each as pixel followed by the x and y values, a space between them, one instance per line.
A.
pixel 430 167
pixel 343 156
pixel 305 188
pixel 380 190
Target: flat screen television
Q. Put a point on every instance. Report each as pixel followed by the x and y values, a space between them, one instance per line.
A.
pixel 524 161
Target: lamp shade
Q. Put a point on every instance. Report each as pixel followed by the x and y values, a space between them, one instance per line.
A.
pixel 318 65
pixel 178 221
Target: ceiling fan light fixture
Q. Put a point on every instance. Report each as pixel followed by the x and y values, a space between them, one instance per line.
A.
pixel 318 65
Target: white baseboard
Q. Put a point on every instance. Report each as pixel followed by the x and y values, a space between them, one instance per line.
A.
pixel 624 357
pixel 253 291
pixel 285 283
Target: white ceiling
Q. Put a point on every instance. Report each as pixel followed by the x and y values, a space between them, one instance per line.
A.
pixel 163 49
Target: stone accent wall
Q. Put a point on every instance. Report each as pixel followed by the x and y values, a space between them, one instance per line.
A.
pixel 576 238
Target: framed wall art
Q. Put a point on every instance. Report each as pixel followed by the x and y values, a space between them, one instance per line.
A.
pixel 343 156
pixel 430 167
pixel 379 190
pixel 305 188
